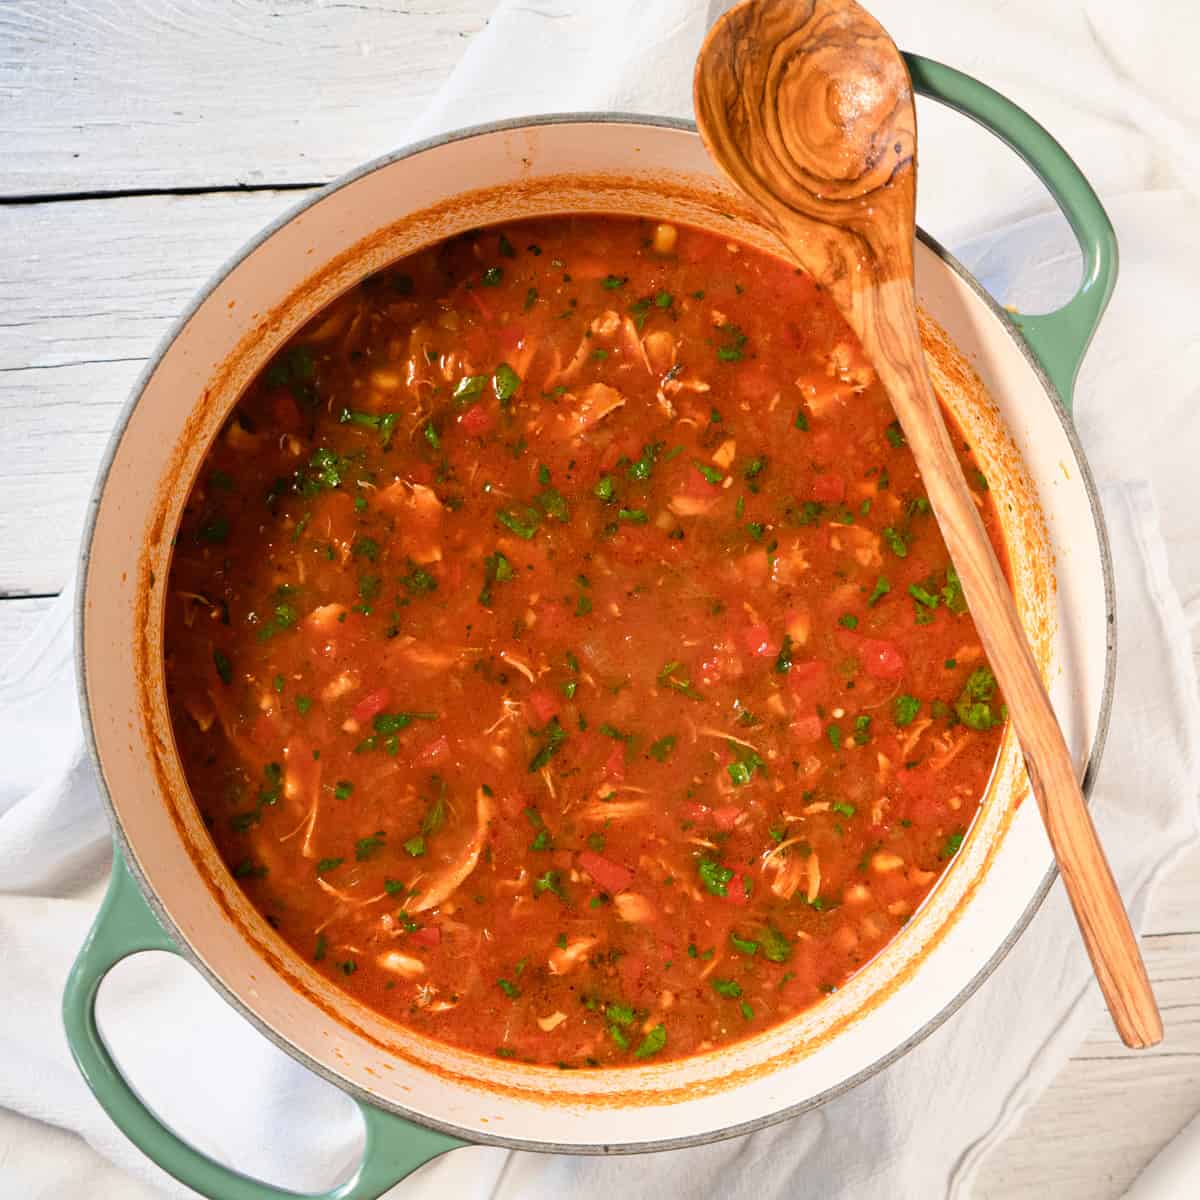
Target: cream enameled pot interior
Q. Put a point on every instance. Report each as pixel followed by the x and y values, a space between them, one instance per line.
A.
pixel 390 209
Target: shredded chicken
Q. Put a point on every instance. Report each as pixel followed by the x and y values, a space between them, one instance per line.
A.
pixel 443 885
pixel 591 406
pixel 401 964
pixel 566 958
pixel 421 511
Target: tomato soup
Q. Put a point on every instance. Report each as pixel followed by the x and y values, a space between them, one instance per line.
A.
pixel 563 654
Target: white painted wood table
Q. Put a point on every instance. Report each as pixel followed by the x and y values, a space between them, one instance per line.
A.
pixel 140 146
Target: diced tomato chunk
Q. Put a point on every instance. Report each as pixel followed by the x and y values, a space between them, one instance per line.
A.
pixel 544 704
pixel 690 810
pixel 438 749
pixel 371 704
pixel 698 485
pixel 829 489
pixel 726 816
pixel 758 641
pixel 735 890
pixel 476 421
pixel 807 729
pixel 429 935
pixel 610 876
pixel 881 659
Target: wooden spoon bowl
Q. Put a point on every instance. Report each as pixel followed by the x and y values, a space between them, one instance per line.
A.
pixel 807 107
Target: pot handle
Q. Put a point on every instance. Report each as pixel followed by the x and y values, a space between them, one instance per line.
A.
pixel 1058 339
pixel 126 925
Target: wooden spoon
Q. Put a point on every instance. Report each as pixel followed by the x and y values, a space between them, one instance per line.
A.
pixel 807 106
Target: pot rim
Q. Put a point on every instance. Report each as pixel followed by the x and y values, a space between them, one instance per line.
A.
pixel 125 846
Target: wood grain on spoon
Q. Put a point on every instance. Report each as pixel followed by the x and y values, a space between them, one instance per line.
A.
pixel 807 106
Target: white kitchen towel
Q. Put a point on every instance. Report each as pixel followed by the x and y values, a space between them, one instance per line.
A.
pixel 922 1127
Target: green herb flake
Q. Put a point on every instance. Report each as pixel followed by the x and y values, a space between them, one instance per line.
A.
pixel 896 542
pixel 732 348
pixel 951 845
pixel 492 277
pixel 365 848
pixel 923 595
pixel 652 1043
pixel 881 589
pixel 661 749
pixel 742 769
pixel 743 945
pixel 468 387
pixel 775 946
pixel 952 593
pixel 783 660
pixel 555 735
pixel 714 877
pixel 619 1014
pixel 905 709
pixel 523 521
pixel 729 988
pixel 848 621
pixel 328 864
pixel 224 667
pixel 550 882
pixel 895 435
pixel 505 382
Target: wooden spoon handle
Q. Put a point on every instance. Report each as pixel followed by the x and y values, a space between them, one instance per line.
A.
pixel 1111 942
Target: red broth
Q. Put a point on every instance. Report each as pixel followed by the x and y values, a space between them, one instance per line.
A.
pixel 562 652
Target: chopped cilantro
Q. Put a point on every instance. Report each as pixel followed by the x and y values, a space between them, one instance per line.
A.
pixel 895 540
pixel 505 382
pixel 364 848
pixel 522 521
pixel 555 735
pixel 662 748
pixel 714 877
pixel 652 1043
pixel 734 344
pixel 905 709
